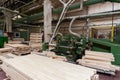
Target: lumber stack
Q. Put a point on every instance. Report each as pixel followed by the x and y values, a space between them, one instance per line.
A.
pixel 19 49
pixel 54 56
pixel 19 39
pixel 100 61
pixel 16 41
pixel 5 50
pixel 36 41
pixel 36 67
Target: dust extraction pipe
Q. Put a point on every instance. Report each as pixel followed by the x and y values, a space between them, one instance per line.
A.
pixel 66 6
pixel 95 15
pixel 59 10
pixel 70 28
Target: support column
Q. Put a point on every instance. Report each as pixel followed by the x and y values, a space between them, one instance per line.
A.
pixel 8 21
pixel 47 20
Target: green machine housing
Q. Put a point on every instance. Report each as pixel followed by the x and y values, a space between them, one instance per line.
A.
pixel 70 46
pixel 3 39
pixel 112 45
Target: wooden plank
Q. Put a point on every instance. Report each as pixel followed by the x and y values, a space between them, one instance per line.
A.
pixel 100 61
pixel 36 67
pixel 95 61
pixel 14 42
pixel 105 67
pixel 5 50
pixel 100 54
pixel 97 58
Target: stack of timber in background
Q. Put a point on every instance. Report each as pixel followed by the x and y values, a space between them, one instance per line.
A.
pixel 36 67
pixel 36 41
pixel 100 61
pixel 16 41
pixel 19 49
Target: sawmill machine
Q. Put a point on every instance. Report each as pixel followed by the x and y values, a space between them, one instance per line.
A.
pixel 71 45
pixel 111 45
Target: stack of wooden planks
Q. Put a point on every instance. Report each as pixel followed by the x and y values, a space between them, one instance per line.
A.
pixel 36 41
pixel 100 61
pixel 19 49
pixel 36 67
pixel 16 41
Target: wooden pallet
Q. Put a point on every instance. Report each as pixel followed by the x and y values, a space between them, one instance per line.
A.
pixel 36 67
pixel 19 49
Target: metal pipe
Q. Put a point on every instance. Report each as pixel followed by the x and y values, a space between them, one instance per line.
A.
pixel 3 8
pixel 70 30
pixel 59 10
pixel 66 6
pixel 94 15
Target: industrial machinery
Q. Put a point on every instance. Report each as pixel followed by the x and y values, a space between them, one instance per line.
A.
pixel 3 39
pixel 111 45
pixel 72 45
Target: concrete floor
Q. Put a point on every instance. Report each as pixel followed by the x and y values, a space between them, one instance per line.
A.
pixel 102 76
pixel 110 77
pixel 2 75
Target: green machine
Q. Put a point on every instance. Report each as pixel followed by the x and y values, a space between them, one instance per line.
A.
pixel 3 40
pixel 111 45
pixel 70 46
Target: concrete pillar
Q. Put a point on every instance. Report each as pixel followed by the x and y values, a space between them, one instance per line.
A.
pixel 47 20
pixel 8 21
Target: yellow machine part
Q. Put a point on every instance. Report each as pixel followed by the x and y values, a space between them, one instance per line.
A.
pixel 112 34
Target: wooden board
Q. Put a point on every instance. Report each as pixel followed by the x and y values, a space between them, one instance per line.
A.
pixel 101 61
pixel 100 54
pixel 5 50
pixel 36 67
pixel 14 42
